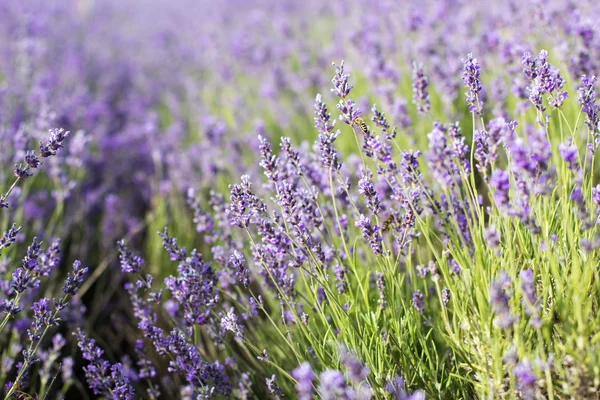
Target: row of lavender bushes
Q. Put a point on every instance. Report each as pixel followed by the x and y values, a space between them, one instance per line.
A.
pixel 427 226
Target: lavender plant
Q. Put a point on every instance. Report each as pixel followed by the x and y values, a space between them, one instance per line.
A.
pixel 432 235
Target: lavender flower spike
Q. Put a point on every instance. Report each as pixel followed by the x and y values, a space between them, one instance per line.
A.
pixel 341 87
pixel 471 72
pixel 305 376
pixel 420 86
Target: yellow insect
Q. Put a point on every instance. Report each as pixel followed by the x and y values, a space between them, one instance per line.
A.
pixel 387 223
pixel 361 124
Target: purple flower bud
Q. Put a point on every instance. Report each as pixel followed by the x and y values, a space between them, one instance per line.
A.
pixel 305 377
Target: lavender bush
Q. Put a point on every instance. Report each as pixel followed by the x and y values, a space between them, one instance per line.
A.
pixel 256 218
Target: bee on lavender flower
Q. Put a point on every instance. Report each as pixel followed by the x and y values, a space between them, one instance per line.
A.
pixel 361 124
pixel 388 223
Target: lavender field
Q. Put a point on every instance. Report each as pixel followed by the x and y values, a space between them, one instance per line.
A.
pixel 281 199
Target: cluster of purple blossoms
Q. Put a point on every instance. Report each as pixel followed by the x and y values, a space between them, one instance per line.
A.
pixel 420 86
pixel 335 384
pixel 529 299
pixel 366 188
pixel 371 233
pixel 526 380
pixel 244 204
pixel 587 98
pixel 327 136
pixel 545 79
pixel 103 378
pixel 500 298
pixel 340 81
pixel 195 286
pixel 397 389
pixel 448 161
pixel 418 300
pixel 471 79
pixel 379 119
pixel 305 376
pixel 32 160
pixel 570 154
pixel 130 263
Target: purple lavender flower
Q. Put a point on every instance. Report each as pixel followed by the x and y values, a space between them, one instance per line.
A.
pixel 545 79
pixel 305 376
pixel 587 99
pixel 380 282
pixel 356 371
pixel 380 120
pixel 32 160
pixel 103 378
pixel 323 121
pixel 529 300
pixel 22 172
pixel 446 296
pixel 482 150
pixel 526 380
pixel 400 113
pixel 229 322
pixel 130 263
pixel 493 236
pixel 244 204
pixel 341 86
pixel 74 279
pixel 145 366
pixel 274 390
pixel 371 233
pixel 340 277
pixel 596 195
pixel 500 297
pixel 194 288
pixel 418 300
pixel 366 187
pixel 448 161
pixel 42 318
pixel 568 152
pixel 8 238
pixel 332 386
pixel 420 86
pixel 397 389
pixel 237 263
pixel 500 182
pixel 409 171
pixel 327 136
pixel 471 72
pixel 55 143
pixel 348 111
pixel 269 162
